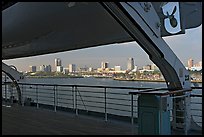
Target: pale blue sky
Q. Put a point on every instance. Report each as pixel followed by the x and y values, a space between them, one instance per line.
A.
pixel 185 46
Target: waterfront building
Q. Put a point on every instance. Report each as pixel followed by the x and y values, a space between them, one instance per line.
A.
pixel 58 62
pixel 196 68
pixel 200 63
pixel 59 68
pixel 48 68
pixel 32 68
pixel 42 68
pixel 117 68
pixel 135 69
pixel 104 65
pixel 130 64
pixel 147 67
pixel 72 68
pixel 65 70
pixel 190 63
pixel 91 69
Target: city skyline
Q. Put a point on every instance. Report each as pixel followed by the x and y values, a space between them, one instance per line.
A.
pixel 130 66
pixel 185 46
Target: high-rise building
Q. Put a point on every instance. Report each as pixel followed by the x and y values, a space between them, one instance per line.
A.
pixel 32 69
pixel 59 68
pixel 190 63
pixel 58 62
pixel 130 64
pixel 104 65
pixel 48 68
pixel 42 68
pixel 72 68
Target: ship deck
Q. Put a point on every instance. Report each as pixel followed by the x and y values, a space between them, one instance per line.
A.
pixel 17 120
pixel 27 120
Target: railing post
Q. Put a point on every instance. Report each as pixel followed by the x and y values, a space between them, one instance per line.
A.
pixel 132 119
pixel 73 106
pixel 22 96
pixel 187 100
pixel 75 96
pixel 11 96
pixel 6 93
pixel 55 99
pixel 5 87
pixel 106 116
pixel 37 96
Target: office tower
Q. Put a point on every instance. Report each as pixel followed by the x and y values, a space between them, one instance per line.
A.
pixel 72 68
pixel 59 68
pixel 32 69
pixel 48 68
pixel 190 63
pixel 104 65
pixel 58 62
pixel 130 64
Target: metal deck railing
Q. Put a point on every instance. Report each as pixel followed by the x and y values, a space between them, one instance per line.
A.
pixel 106 101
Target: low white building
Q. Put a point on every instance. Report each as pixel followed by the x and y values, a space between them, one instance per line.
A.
pixel 196 68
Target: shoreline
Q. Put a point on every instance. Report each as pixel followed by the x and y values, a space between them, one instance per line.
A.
pixel 142 80
pixel 119 79
pixel 54 77
pixel 147 80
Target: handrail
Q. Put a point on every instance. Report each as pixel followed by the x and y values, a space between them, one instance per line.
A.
pixel 107 101
pixel 70 85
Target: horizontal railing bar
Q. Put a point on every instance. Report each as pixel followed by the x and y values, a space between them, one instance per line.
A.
pixel 45 97
pixel 196 87
pixel 196 103
pixel 139 88
pixel 195 95
pixel 118 109
pixel 93 101
pixel 79 104
pixel 64 103
pixel 48 101
pixel 60 98
pixel 197 115
pixel 118 99
pixel 117 93
pixel 50 93
pixel 63 94
pixel 196 109
pixel 117 104
pixel 89 96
